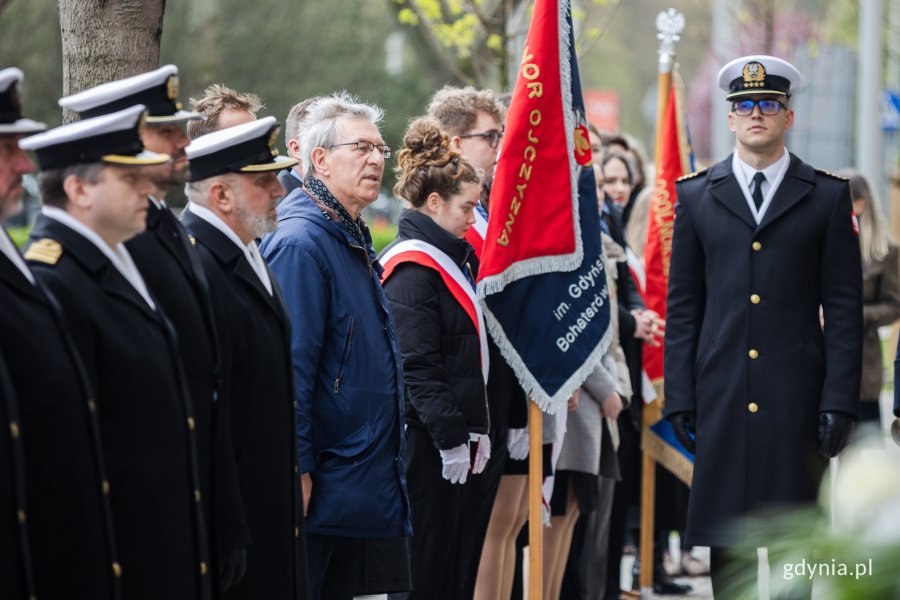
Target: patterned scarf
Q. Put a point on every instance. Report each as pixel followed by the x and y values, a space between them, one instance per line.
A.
pixel 318 189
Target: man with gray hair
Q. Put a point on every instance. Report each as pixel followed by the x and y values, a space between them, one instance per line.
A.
pixel 347 365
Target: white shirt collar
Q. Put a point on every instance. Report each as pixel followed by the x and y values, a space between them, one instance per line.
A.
pixel 9 249
pixel 118 256
pixel 251 252
pixel 774 173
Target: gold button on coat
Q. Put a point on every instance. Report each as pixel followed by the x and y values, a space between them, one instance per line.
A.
pixel 21 515
pixel 754 298
pixel 191 423
pixel 753 407
pixel 105 487
pixel 203 568
pixel 117 570
pixel 757 246
pixel 753 354
pixel 14 430
pixel 296 532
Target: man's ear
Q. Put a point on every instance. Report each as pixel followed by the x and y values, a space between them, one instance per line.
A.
pixel 76 191
pixel 731 122
pixel 319 159
pixel 294 149
pixel 455 142
pixel 221 196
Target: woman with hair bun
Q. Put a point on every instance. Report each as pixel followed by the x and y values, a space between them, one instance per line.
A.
pixel 429 280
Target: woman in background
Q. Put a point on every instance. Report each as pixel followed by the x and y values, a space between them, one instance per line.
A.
pixel 881 290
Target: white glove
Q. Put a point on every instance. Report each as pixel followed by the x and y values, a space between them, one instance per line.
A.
pixel 456 463
pixel 517 442
pixel 482 453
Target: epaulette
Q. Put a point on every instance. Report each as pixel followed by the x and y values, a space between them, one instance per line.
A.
pixel 832 175
pixel 692 175
pixel 45 251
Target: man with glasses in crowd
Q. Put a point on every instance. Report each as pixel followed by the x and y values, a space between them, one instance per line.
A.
pixel 754 384
pixel 347 365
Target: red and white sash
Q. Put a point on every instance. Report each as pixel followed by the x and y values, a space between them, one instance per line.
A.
pixel 423 253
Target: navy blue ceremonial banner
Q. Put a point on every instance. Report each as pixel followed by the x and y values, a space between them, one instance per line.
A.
pixel 542 278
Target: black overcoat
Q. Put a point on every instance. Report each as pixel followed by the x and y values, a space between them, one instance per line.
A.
pixel 744 347
pixel 16 578
pixel 71 542
pixel 146 421
pixel 256 343
pixel 172 271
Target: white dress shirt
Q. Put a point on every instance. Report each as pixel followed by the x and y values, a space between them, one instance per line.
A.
pixel 774 175
pixel 118 256
pixel 251 251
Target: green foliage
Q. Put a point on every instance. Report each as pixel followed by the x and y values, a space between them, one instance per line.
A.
pixel 19 235
pixel 383 233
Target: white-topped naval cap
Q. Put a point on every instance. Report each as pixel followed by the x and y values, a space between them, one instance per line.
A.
pixel 245 148
pixel 113 138
pixel 759 74
pixel 156 90
pixel 11 118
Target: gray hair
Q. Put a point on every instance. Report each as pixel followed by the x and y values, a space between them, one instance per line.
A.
pixel 320 125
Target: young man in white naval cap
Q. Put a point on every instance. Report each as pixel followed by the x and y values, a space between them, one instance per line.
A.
pixel 233 191
pixel 70 543
pixel 172 271
pixel 753 383
pixel 94 188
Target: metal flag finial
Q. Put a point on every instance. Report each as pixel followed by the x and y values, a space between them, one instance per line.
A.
pixel 669 24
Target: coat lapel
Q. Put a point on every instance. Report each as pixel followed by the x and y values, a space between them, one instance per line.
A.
pixel 13 278
pixel 94 261
pixel 724 187
pixel 796 185
pixel 228 253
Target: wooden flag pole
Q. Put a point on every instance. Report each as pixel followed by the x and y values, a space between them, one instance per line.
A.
pixel 669 24
pixel 535 503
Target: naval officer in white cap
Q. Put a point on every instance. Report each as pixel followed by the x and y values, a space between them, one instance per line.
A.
pixel 171 268
pixel 94 187
pixel 54 435
pixel 233 191
pixel 753 384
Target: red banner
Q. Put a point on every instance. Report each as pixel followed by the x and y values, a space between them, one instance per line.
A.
pixel 671 163
pixel 532 199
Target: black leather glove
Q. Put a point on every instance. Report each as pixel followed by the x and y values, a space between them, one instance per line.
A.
pixel 835 429
pixel 684 425
pixel 233 567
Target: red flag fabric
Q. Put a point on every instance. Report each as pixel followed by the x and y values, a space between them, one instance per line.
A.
pixel 533 198
pixel 672 161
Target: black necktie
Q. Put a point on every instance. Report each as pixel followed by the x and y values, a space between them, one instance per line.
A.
pixel 757 189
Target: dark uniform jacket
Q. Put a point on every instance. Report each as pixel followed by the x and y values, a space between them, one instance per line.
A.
pixel 71 541
pixel 744 347
pixel 16 578
pixel 438 341
pixel 255 341
pixel 146 421
pixel 172 271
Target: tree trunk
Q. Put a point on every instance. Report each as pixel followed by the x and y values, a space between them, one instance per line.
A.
pixel 104 40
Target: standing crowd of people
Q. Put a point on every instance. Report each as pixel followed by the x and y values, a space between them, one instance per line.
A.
pixel 253 404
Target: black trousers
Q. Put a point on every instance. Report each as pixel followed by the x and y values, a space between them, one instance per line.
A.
pixel 479 502
pixel 334 565
pixel 439 519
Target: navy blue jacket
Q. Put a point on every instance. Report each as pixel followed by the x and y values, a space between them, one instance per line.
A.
pixel 348 373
